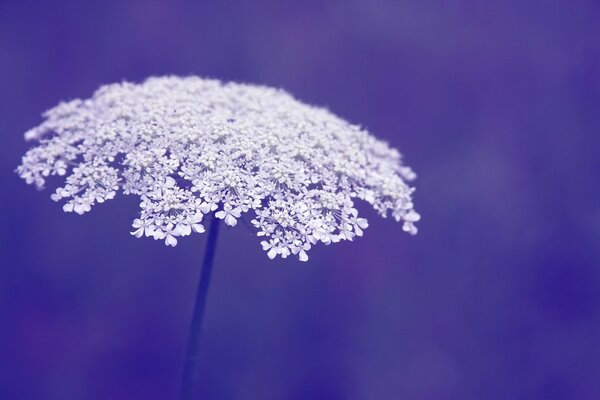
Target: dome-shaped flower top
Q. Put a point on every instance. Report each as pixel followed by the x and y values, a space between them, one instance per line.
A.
pixel 191 146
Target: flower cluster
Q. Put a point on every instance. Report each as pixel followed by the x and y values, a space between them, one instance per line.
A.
pixel 190 146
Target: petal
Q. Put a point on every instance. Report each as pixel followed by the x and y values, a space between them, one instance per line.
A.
pixel 272 253
pixel 220 214
pixel 158 234
pixel 230 220
pixel 184 230
pixel 412 216
pixel 302 256
pixel 409 227
pixel 170 182
pixel 205 208
pixel 171 241
pixel 138 233
pixel 198 228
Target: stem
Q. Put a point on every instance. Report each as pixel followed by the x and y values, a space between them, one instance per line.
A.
pixel 191 355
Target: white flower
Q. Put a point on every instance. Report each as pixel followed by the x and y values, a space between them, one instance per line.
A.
pixel 190 147
pixel 358 223
pixel 301 250
pixel 142 228
pixel 195 223
pixel 229 214
pixel 272 247
pixel 170 233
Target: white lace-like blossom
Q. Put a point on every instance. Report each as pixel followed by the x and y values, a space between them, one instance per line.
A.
pixel 190 146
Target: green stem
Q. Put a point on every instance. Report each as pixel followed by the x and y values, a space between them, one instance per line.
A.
pixel 191 355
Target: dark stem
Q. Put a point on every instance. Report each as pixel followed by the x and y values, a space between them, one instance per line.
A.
pixel 191 355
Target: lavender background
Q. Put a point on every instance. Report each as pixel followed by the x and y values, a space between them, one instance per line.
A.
pixel 494 104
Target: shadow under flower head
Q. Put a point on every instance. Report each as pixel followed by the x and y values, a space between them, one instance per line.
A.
pixel 189 146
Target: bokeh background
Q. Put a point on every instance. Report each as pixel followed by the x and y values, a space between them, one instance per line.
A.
pixel 496 105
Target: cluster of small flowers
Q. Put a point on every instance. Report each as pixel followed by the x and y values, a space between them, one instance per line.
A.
pixel 190 146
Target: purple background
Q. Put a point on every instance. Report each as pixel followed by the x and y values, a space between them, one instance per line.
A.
pixel 496 105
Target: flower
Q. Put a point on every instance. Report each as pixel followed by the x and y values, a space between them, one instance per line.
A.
pixel 229 214
pixel 189 146
pixel 142 228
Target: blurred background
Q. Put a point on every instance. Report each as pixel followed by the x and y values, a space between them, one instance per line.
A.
pixel 494 104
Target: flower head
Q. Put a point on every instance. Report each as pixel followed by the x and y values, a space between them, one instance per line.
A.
pixel 190 146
